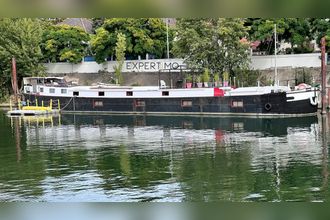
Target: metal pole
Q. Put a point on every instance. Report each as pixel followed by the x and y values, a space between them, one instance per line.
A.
pixel 275 54
pixel 167 42
pixel 323 71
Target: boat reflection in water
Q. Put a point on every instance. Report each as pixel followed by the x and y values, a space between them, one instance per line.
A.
pixel 137 158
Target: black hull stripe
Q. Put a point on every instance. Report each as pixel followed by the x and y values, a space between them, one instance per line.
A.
pixel 267 105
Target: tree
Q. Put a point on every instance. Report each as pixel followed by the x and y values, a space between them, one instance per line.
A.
pixel 19 38
pixel 120 56
pixel 296 31
pixel 212 43
pixel 147 35
pixel 97 23
pixel 321 28
pixel 64 43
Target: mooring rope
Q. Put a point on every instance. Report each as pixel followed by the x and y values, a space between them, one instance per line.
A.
pixel 67 104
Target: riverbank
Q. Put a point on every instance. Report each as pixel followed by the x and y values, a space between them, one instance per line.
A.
pixel 5 106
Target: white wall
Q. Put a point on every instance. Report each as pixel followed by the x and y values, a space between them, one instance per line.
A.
pixel 154 65
pixel 290 60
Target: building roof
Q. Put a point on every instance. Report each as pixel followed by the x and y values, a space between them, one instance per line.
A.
pixel 84 23
pixel 171 21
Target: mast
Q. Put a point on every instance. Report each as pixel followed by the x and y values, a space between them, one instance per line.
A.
pixel 324 77
pixel 167 41
pixel 275 36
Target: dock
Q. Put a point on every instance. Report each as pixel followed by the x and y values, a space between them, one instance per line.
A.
pixel 34 110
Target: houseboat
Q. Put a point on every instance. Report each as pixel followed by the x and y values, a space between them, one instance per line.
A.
pixel 101 98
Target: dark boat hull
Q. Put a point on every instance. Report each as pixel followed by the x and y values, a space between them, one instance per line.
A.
pixel 267 104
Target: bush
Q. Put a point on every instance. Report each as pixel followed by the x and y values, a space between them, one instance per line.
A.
pixel 4 95
pixel 248 77
pixel 188 78
pixel 216 77
pixel 206 75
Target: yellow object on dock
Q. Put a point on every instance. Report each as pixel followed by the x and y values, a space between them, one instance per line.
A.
pixel 36 108
pixel 31 110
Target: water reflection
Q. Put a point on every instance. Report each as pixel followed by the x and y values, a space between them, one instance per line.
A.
pixel 139 158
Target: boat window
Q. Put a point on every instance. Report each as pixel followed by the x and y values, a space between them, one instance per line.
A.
pixel 237 104
pixel 98 104
pixel 165 93
pixel 41 89
pixel 51 90
pixel 238 126
pixel 101 93
pixel 75 93
pixel 64 91
pixel 186 103
pixel 139 103
pixel 129 93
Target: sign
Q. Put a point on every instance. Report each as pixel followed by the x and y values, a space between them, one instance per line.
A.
pixel 154 65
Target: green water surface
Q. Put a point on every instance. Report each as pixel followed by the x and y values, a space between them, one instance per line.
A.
pixel 144 158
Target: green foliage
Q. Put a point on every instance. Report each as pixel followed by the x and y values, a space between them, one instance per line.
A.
pixel 212 43
pixel 225 76
pixel 97 23
pixel 188 78
pixel 321 28
pixel 206 75
pixel 297 31
pixel 19 38
pixel 102 45
pixel 198 78
pixel 64 43
pixel 263 29
pixel 120 56
pixel 248 77
pixel 147 35
pixel 216 77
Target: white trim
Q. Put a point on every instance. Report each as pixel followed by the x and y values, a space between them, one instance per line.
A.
pixel 301 95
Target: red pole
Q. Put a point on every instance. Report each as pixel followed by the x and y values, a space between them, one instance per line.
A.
pixel 324 78
pixel 14 78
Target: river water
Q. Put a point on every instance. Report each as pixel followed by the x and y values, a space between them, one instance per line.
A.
pixel 144 158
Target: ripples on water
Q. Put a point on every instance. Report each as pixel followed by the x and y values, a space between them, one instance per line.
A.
pixel 136 158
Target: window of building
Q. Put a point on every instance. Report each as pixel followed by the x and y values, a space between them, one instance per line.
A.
pixel 129 93
pixel 186 103
pixel 237 104
pixel 165 93
pixel 64 91
pixel 51 90
pixel 75 93
pixel 101 93
pixel 98 104
pixel 139 103
pixel 41 89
